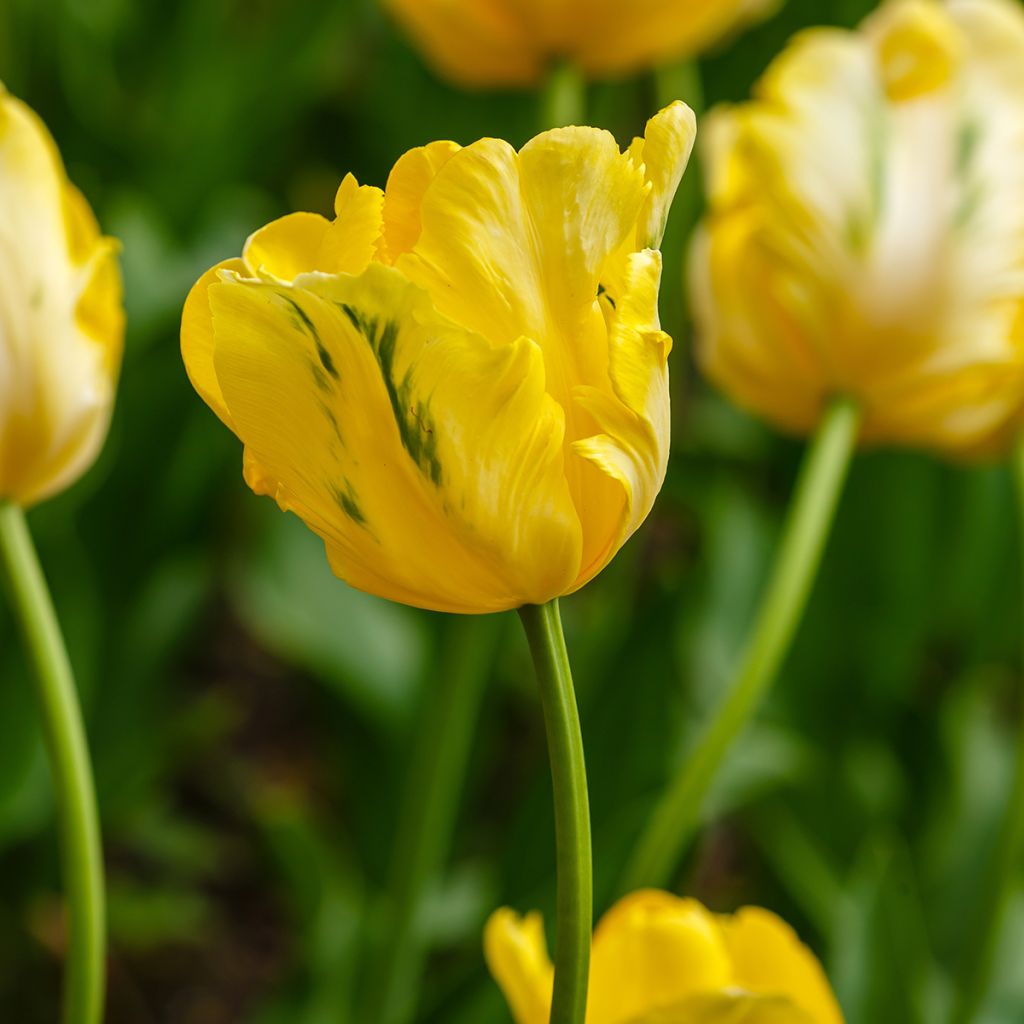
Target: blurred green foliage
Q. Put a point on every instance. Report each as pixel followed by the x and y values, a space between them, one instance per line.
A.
pixel 253 721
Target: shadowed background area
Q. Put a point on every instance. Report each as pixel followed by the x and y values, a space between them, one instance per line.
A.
pixel 258 728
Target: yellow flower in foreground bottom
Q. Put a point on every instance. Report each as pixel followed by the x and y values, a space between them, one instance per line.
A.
pixel 659 959
pixel 460 383
pixel 512 42
pixel 866 229
pixel 61 319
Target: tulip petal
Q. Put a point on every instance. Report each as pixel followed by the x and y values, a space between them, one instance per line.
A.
pixel 633 447
pixel 652 950
pixel 300 243
pixel 664 152
pixel 514 42
pixel 919 48
pixel 197 339
pixel 606 40
pixel 429 461
pixel 728 1008
pixel 407 184
pixel 288 246
pixel 769 958
pixel 473 44
pixel 515 245
pixel 517 956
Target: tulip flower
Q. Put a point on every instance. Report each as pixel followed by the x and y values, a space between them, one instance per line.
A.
pixel 61 317
pixel 460 383
pixel 61 333
pixel 659 959
pixel 859 275
pixel 866 230
pixel 511 43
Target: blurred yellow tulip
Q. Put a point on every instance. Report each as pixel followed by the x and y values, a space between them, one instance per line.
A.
pixel 61 318
pixel 459 383
pixel 659 959
pixel 516 42
pixel 866 229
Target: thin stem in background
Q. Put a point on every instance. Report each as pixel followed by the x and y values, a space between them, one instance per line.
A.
pixel 677 814
pixel 436 780
pixel 680 81
pixel 69 764
pixel 563 100
pixel 981 953
pixel 574 920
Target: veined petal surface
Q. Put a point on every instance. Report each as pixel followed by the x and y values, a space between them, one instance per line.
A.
pixel 429 461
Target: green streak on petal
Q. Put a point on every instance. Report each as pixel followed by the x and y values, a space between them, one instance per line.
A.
pixel 346 498
pixel 415 425
pixel 303 321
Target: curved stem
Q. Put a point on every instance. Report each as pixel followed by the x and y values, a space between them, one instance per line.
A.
pixel 434 786
pixel 543 627
pixel 70 767
pixel 981 954
pixel 810 516
pixel 564 98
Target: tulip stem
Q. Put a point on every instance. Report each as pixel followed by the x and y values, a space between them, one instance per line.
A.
pixel 981 954
pixel 69 762
pixel 543 626
pixel 808 521
pixel 564 98
pixel 680 81
pixel 434 786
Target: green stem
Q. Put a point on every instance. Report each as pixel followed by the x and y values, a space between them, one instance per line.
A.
pixel 564 98
pixel 69 764
pixel 810 516
pixel 543 626
pixel 435 783
pixel 680 81
pixel 981 953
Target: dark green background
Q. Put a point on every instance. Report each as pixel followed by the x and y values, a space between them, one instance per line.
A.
pixel 252 719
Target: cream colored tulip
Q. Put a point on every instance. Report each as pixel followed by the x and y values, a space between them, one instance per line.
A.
pixel 61 318
pixel 865 235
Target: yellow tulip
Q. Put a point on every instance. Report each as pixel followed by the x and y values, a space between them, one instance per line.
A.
pixel 659 959
pixel 459 383
pixel 61 318
pixel 866 229
pixel 515 42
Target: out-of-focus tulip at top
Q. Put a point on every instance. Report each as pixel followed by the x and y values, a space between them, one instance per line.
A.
pixel 516 42
pixel 866 229
pixel 659 959
pixel 61 317
pixel 459 383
